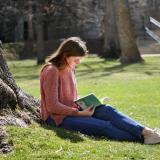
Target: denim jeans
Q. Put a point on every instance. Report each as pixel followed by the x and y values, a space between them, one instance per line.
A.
pixel 106 122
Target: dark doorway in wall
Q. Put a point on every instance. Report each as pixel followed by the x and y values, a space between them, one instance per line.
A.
pixel 45 31
pixel 25 30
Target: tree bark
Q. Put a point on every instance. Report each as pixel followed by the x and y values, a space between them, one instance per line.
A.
pixel 30 22
pixel 5 147
pixel 16 106
pixel 129 49
pixel 111 40
pixel 8 97
pixel 40 36
pixel 24 100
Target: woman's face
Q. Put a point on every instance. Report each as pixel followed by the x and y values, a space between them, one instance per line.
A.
pixel 73 61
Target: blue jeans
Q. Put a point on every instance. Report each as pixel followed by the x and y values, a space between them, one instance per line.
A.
pixel 106 122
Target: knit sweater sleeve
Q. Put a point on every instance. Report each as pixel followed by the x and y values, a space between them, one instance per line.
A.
pixel 50 88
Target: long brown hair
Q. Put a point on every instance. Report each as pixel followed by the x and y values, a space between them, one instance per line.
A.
pixel 72 46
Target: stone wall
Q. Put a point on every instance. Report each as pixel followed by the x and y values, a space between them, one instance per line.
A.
pixel 82 18
pixel 140 10
pixel 85 18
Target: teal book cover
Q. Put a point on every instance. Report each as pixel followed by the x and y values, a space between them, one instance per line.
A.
pixel 87 101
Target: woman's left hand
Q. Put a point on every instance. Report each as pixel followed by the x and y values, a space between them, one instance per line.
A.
pixel 88 112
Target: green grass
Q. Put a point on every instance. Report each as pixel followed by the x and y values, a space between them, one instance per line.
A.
pixel 133 89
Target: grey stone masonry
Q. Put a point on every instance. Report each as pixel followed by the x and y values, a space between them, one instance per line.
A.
pixel 83 18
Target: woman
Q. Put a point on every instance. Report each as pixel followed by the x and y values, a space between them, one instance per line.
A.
pixel 59 91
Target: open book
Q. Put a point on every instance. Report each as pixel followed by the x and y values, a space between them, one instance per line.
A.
pixel 89 100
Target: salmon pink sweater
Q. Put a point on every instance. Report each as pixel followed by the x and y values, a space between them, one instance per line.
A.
pixel 58 92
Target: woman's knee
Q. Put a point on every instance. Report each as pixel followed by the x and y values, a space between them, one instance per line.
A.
pixel 109 108
pixel 104 112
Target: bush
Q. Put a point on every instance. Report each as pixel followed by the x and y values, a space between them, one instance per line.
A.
pixel 20 50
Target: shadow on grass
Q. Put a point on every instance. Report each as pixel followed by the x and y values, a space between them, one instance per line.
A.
pixel 108 69
pixel 74 137
pixel 26 72
pixel 101 67
pixel 26 77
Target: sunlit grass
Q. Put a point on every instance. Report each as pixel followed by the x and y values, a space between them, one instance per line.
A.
pixel 133 89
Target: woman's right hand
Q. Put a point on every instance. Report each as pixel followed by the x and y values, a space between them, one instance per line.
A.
pixel 88 112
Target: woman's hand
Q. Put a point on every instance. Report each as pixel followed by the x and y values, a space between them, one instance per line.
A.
pixel 88 112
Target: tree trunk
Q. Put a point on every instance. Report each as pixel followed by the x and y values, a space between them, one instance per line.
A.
pixel 7 96
pixel 16 106
pixel 40 37
pixel 5 147
pixel 24 100
pixel 30 22
pixel 40 44
pixel 111 41
pixel 129 49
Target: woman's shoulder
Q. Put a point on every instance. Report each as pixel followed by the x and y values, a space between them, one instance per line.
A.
pixel 50 68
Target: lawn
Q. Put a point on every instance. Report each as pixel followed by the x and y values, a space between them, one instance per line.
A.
pixel 133 89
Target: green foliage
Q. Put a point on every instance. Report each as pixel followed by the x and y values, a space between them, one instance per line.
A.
pixel 19 50
pixel 133 89
pixel 12 50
